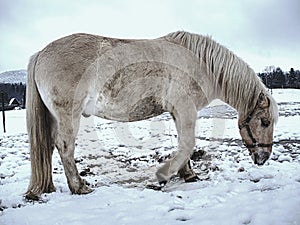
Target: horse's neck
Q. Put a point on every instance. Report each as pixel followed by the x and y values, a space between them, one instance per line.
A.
pixel 228 77
pixel 239 92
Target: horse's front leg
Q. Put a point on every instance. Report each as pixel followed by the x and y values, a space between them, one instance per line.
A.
pixel 185 121
pixel 65 144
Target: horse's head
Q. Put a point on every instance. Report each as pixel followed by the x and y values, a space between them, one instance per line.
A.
pixel 256 130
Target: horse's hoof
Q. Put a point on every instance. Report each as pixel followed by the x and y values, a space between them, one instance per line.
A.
pixel 84 190
pixel 154 187
pixel 34 193
pixel 88 190
pixel 192 179
pixel 30 197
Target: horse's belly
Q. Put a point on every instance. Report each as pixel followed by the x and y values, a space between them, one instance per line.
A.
pixel 145 108
pixel 125 110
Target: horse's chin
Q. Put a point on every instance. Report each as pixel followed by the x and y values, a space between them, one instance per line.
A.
pixel 260 157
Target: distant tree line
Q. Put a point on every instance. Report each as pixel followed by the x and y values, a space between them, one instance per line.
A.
pixel 16 91
pixel 274 77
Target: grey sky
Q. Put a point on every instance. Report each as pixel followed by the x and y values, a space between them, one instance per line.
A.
pixel 263 33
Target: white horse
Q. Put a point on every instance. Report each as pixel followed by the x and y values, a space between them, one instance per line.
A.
pixel 130 80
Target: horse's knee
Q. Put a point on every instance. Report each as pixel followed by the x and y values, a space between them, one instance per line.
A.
pixel 65 140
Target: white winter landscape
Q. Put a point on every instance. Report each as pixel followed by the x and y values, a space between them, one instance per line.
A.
pixel 119 161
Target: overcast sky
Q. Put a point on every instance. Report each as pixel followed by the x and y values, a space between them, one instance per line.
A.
pixel 262 32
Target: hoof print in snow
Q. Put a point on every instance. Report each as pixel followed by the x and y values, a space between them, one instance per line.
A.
pixel 241 169
pixel 163 183
pixel 198 155
pixel 255 180
pixel 182 219
pixel 15 206
pixel 86 172
pixel 78 160
pixel 2 207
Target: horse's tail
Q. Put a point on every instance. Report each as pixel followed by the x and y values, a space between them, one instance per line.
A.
pixel 39 127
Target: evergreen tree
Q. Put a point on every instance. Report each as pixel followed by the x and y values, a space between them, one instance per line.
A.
pixel 292 78
pixel 278 79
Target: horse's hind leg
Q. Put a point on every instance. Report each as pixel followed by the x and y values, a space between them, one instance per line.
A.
pixel 65 143
pixel 185 121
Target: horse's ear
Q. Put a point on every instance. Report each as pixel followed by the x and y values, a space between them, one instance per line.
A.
pixel 263 101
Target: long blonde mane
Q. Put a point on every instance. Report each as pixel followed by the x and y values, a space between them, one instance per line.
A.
pixel 239 85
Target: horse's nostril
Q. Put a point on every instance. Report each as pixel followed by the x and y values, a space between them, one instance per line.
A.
pixel 260 158
pixel 265 157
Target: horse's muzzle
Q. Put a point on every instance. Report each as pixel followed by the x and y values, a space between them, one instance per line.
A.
pixel 260 157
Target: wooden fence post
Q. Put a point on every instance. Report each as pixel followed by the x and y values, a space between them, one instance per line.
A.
pixel 3 111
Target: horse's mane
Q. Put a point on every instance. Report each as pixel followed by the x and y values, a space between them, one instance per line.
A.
pixel 239 85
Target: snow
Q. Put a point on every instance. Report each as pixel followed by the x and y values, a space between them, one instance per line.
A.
pixel 119 161
pixel 13 77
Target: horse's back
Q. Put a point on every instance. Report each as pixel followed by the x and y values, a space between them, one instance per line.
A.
pixel 119 79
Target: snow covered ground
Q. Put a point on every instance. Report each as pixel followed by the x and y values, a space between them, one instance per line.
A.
pixel 119 161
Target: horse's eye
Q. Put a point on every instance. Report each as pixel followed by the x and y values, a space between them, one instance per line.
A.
pixel 265 122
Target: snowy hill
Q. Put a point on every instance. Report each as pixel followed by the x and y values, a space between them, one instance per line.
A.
pixel 13 77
